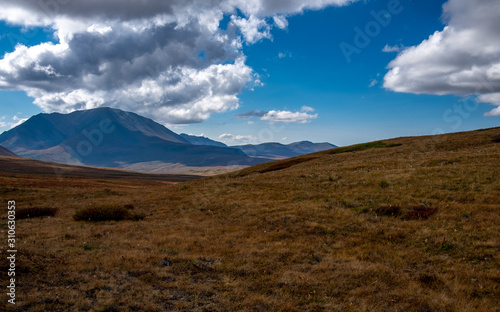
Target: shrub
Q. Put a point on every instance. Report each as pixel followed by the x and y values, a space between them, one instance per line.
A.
pixel 392 211
pixel 420 212
pixel 384 184
pixel 26 213
pixel 496 139
pixel 106 213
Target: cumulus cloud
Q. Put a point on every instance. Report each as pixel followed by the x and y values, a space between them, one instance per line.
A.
pixel 461 59
pixel 373 83
pixel 250 114
pixel 280 21
pixel 303 116
pixel 168 60
pixel 231 139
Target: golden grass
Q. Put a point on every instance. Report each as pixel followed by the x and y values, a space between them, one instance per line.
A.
pixel 304 236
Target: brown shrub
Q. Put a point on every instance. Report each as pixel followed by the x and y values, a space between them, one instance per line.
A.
pixel 106 213
pixel 420 212
pixel 36 212
pixel 392 211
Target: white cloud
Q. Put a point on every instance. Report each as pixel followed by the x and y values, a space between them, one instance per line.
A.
pixel 307 109
pixel 396 48
pixel 231 139
pixel 373 83
pixel 2 122
pixel 462 59
pixel 167 60
pixel 284 54
pixel 16 121
pixel 253 28
pixel 493 98
pixel 280 21
pixel 288 116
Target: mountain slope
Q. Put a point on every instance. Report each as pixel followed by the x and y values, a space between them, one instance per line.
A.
pixel 201 140
pixel 6 152
pixel 277 150
pixel 37 169
pixel 111 138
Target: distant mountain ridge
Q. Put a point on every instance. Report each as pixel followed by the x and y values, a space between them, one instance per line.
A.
pixel 201 140
pixel 267 150
pixel 278 150
pixel 112 138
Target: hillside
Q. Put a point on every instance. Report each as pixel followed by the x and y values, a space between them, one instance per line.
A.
pixel 36 169
pixel 6 152
pixel 407 224
pixel 113 138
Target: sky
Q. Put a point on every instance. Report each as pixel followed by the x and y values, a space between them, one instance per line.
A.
pixel 255 71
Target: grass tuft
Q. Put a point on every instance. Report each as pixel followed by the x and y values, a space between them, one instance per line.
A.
pixel 36 212
pixel 391 211
pixel 106 213
pixel 384 184
pixel 420 212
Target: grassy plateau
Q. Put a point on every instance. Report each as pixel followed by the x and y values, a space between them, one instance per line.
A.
pixel 407 224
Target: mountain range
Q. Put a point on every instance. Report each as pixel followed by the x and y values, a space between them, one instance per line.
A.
pixel 114 138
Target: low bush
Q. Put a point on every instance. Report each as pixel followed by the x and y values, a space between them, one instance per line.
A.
pixel 420 212
pixel 106 213
pixel 391 211
pixel 35 212
pixel 384 184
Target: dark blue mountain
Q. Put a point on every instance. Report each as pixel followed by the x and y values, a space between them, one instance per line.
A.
pixel 201 140
pixel 112 138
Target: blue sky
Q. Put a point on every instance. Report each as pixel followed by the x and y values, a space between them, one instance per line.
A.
pixel 301 85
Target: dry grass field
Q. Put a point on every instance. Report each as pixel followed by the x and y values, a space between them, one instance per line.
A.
pixel 408 224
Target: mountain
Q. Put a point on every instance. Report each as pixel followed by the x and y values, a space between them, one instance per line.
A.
pixel 6 152
pixel 112 138
pixel 278 151
pixel 201 140
pixel 267 150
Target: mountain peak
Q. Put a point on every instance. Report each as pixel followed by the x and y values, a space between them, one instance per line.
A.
pixel 112 138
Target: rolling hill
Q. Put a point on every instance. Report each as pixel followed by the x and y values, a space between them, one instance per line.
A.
pixel 33 168
pixel 407 224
